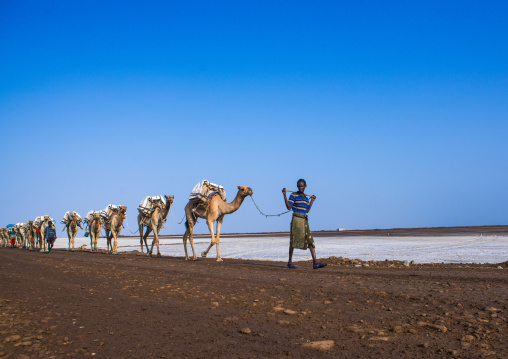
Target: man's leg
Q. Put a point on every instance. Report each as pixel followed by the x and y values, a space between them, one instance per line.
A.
pixel 313 253
pixel 291 249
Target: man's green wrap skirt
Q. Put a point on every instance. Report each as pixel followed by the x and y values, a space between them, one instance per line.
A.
pixel 300 237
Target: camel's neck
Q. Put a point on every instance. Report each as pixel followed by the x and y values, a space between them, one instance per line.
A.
pixel 165 210
pixel 117 219
pixel 227 208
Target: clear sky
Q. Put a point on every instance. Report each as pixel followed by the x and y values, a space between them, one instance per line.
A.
pixel 395 112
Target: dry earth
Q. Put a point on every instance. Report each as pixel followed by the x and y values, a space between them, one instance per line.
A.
pixel 81 304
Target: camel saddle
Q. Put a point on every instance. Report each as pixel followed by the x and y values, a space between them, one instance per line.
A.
pixel 205 190
pixel 89 217
pixel 146 206
pixel 38 221
pixel 67 218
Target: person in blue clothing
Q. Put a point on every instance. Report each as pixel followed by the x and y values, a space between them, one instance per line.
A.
pixel 301 237
pixel 50 235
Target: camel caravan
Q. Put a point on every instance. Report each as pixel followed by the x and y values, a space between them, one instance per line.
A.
pixel 29 235
pixel 207 201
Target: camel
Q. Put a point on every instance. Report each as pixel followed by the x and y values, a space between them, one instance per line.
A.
pixel 42 226
pixel 154 222
pixel 20 239
pixel 24 236
pixel 113 228
pixel 215 211
pixel 94 226
pixel 4 237
pixel 39 233
pixel 72 228
pixel 30 234
pixel 37 230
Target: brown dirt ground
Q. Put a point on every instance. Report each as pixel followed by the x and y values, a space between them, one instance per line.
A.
pixel 81 304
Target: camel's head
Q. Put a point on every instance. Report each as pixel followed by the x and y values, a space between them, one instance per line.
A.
pixel 245 191
pixel 169 199
pixel 123 210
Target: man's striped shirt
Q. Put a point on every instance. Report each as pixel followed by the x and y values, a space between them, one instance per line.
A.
pixel 299 203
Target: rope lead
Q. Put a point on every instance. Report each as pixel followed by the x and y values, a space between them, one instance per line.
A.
pixel 268 215
pixel 171 209
pixel 129 228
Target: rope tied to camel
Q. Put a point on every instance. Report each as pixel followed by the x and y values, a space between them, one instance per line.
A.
pixel 267 215
pixel 171 210
pixel 129 228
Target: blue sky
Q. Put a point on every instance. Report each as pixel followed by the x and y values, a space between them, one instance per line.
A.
pixel 395 113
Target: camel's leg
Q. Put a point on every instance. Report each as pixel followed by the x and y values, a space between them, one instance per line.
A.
pixel 185 236
pixel 191 238
pixel 69 235
pixel 73 238
pixel 210 227
pixel 217 237
pixel 148 231
pixel 115 237
pixel 156 240
pixel 140 225
pixel 190 233
pixel 113 242
pixel 97 239
pixel 109 235
pixel 44 242
pixel 158 251
pixel 155 236
pixel 92 241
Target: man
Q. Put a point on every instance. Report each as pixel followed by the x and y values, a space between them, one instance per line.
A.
pixel 301 237
pixel 50 235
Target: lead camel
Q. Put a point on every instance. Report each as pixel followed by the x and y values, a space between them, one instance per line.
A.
pixel 215 211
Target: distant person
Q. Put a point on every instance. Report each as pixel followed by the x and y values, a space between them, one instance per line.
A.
pixel 12 237
pixel 300 237
pixel 50 235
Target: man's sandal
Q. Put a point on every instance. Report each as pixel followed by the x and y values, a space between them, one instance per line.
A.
pixel 319 265
pixel 291 266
